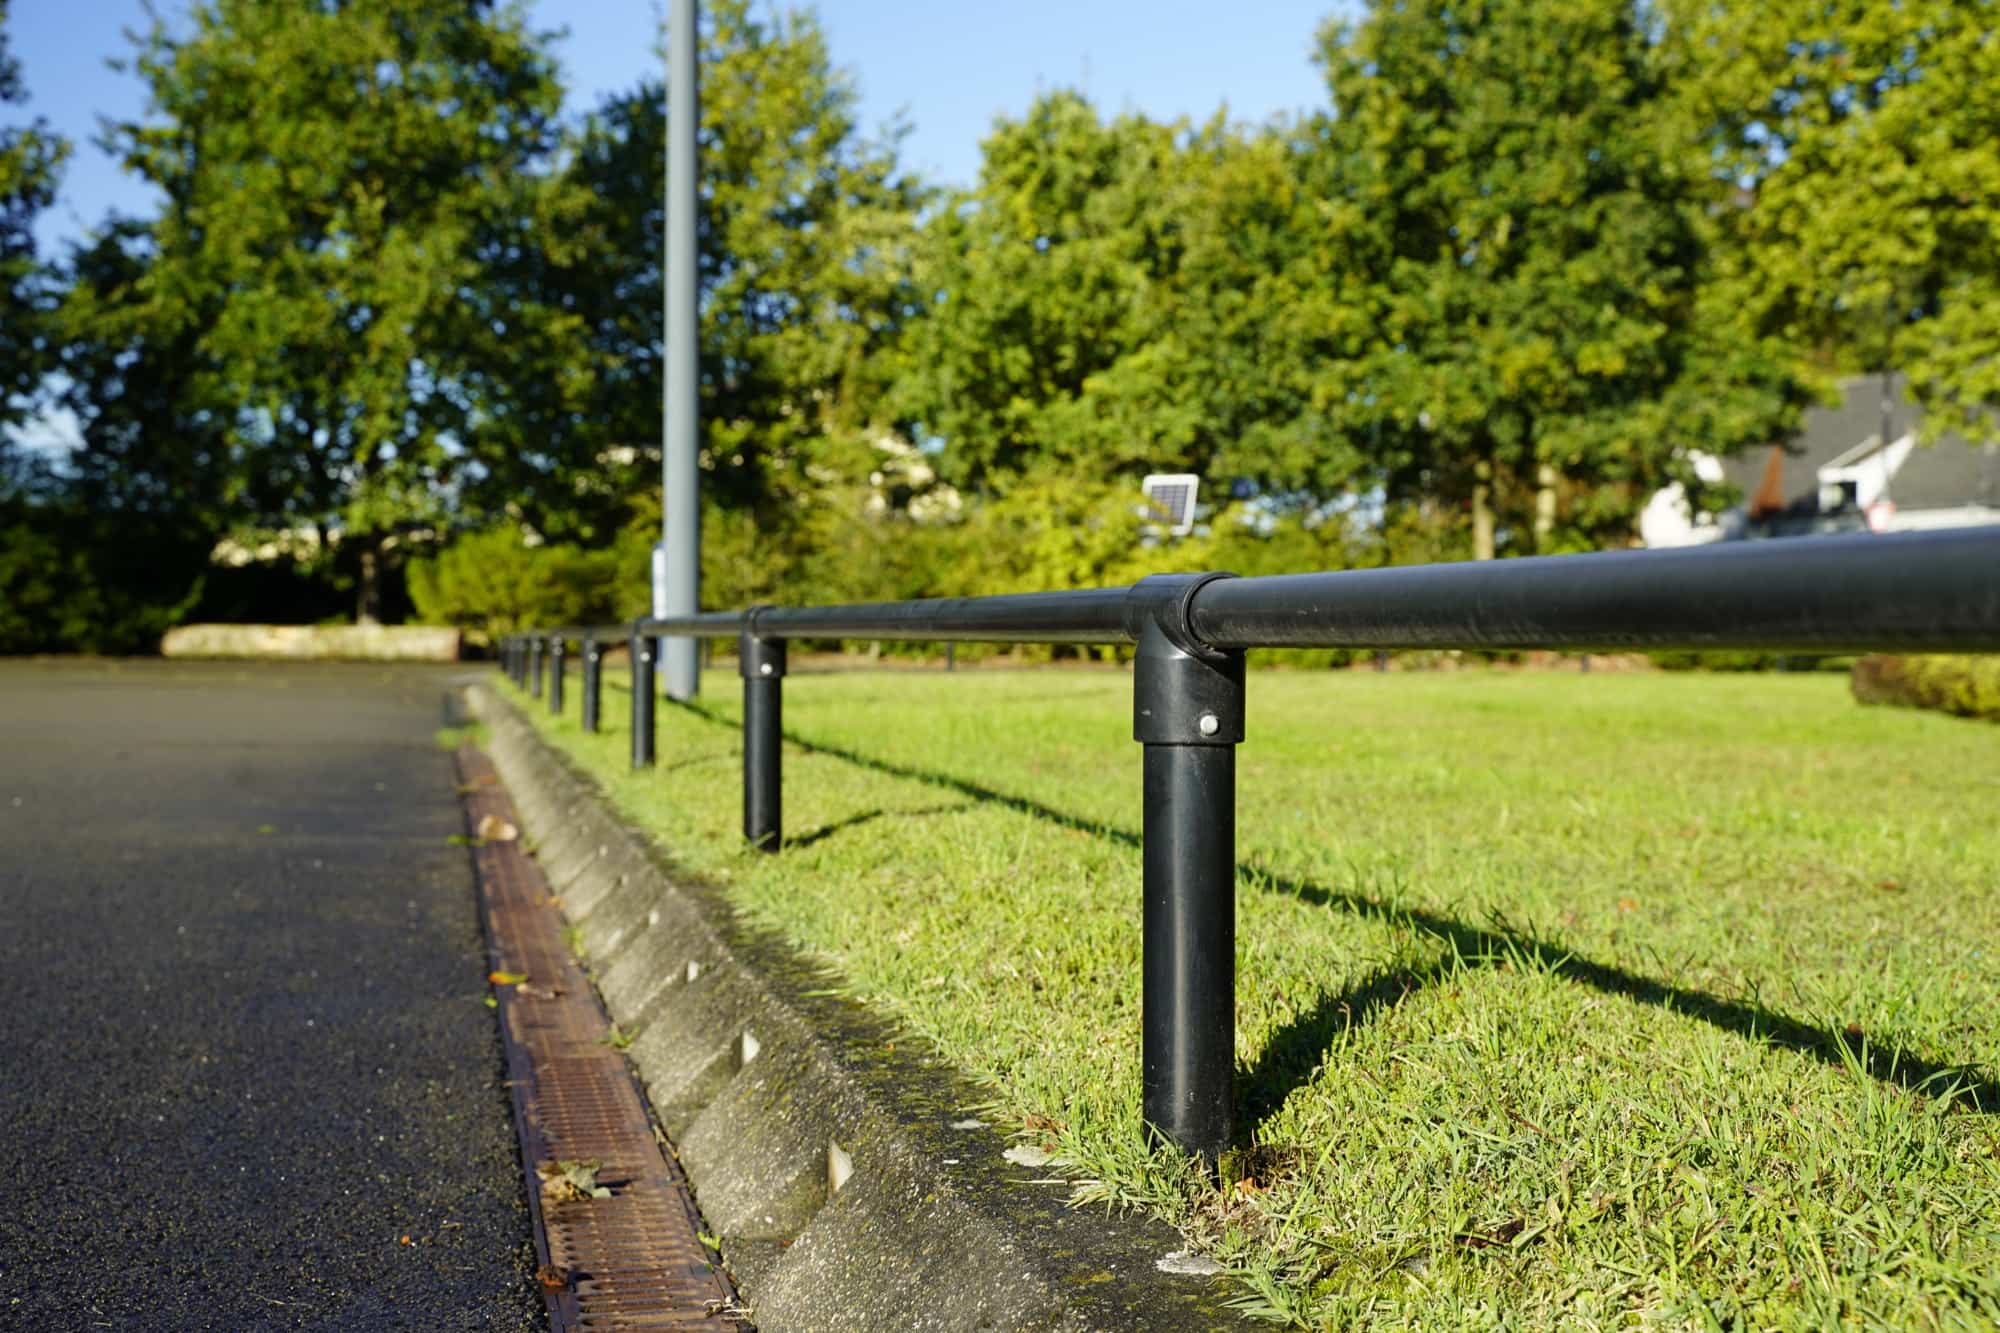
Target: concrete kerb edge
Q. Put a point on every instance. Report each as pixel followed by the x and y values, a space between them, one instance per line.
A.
pixel 819 1139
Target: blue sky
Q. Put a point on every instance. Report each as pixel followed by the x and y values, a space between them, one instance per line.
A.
pixel 949 67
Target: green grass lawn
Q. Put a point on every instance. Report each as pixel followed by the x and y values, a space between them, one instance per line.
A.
pixel 1563 1001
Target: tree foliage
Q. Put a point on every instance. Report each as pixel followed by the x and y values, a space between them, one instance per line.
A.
pixel 1532 217
pixel 1124 297
pixel 804 233
pixel 1532 257
pixel 30 162
pixel 338 180
pixel 1867 139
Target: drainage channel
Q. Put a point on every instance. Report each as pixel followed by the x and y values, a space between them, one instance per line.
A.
pixel 616 1229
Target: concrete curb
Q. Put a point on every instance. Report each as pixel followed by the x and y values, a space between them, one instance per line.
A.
pixel 821 1142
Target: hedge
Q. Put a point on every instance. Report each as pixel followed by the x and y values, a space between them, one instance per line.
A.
pixel 1960 685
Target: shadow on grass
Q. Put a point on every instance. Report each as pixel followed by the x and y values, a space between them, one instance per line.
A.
pixel 1296 1050
pixel 825 831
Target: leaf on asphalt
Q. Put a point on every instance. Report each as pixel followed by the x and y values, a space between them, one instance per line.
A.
pixel 552 1277
pixel 564 1182
pixel 495 829
pixel 506 978
pixel 267 828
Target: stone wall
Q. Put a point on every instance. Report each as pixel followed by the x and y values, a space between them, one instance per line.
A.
pixel 367 643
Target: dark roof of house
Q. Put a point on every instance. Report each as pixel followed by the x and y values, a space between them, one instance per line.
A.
pixel 1944 475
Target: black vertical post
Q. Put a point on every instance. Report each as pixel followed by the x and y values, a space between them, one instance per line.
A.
pixel 643 648
pixel 1187 710
pixel 951 654
pixel 557 645
pixel 593 681
pixel 513 659
pixel 761 662
pixel 535 666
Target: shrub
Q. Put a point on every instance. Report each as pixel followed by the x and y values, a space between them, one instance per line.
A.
pixel 1960 685
pixel 76 580
pixel 492 583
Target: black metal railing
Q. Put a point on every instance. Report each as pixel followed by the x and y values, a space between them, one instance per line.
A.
pixel 1914 592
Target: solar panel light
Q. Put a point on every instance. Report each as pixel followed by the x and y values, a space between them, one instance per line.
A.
pixel 1170 500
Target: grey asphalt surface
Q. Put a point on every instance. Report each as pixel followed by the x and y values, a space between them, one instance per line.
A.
pixel 244 1048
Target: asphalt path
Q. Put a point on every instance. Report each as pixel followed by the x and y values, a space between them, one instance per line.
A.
pixel 248 1078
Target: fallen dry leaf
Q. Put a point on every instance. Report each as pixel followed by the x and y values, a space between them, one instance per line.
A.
pixel 495 829
pixel 1500 1235
pixel 552 1277
pixel 563 1182
pixel 506 978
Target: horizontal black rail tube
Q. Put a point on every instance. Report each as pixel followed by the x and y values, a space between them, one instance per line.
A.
pixel 1092 615
pixel 704 625
pixel 578 633
pixel 1919 591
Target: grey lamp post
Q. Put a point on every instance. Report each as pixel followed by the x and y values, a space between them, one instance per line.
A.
pixel 677 559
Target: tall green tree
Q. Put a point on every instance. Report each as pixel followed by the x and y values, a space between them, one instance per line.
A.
pixel 339 180
pixel 805 233
pixel 1124 296
pixel 30 162
pixel 1535 223
pixel 1866 137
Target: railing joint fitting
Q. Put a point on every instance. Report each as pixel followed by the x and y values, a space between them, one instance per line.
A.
pixel 758 658
pixel 1184 691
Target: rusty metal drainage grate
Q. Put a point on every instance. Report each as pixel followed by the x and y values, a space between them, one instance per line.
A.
pixel 635 1259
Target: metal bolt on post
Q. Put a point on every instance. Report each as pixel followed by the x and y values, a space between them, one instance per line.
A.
pixel 761 662
pixel 642 700
pixel 593 681
pixel 557 645
pixel 1187 710
pixel 535 666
